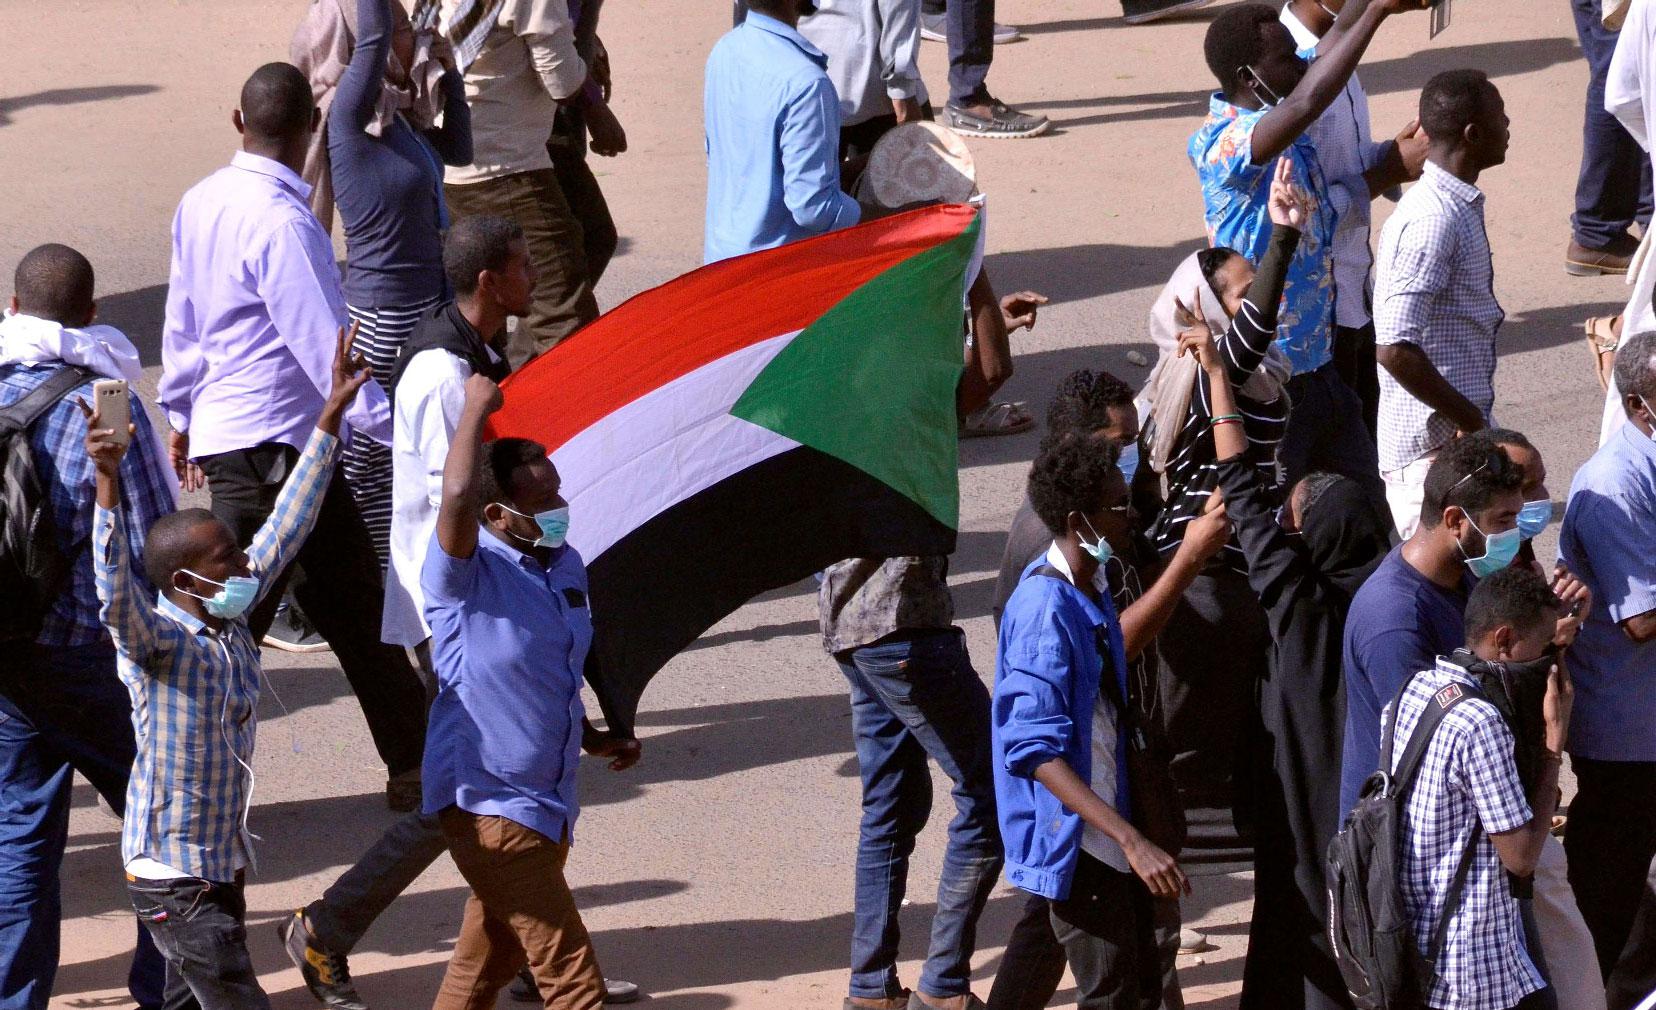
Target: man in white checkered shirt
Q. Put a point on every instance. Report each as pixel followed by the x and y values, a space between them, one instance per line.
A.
pixel 1468 782
pixel 1435 312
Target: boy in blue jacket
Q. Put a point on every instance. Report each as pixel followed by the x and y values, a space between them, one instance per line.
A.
pixel 1060 762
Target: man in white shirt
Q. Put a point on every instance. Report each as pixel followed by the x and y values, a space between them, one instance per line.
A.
pixel 1358 169
pixel 872 48
pixel 488 266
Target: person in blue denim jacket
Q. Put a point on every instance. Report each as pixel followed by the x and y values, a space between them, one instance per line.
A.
pixel 1060 783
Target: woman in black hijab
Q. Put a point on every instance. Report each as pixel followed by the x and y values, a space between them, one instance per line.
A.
pixel 1305 566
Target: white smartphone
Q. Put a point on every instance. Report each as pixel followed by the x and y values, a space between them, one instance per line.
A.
pixel 113 405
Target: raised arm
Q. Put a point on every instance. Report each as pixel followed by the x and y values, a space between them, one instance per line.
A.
pixel 453 140
pixel 457 516
pixel 300 500
pixel 1338 55
pixel 1249 337
pixel 1519 830
pixel 360 85
pixel 130 618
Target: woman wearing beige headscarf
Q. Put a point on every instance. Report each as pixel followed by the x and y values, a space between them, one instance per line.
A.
pixel 379 158
pixel 1216 646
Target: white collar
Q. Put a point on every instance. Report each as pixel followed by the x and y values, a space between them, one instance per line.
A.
pixel 1056 559
pixel 1303 37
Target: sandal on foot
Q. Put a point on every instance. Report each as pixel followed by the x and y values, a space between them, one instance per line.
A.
pixel 1004 418
pixel 1603 333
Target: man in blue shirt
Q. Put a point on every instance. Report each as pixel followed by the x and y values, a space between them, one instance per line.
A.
pixel 1609 539
pixel 506 599
pixel 1409 611
pixel 1268 99
pixel 1060 743
pixel 772 123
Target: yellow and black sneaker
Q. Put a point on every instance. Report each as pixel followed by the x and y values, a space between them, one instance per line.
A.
pixel 326 975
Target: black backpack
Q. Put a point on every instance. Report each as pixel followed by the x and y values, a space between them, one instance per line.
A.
pixel 32 567
pixel 1374 943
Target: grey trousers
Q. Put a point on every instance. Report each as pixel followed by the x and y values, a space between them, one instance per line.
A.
pixel 346 910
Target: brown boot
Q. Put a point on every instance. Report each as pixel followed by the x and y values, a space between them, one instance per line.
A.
pixel 1579 261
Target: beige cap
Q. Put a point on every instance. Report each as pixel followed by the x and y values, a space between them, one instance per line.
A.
pixel 919 162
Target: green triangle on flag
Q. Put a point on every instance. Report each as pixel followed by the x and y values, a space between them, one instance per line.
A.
pixel 872 381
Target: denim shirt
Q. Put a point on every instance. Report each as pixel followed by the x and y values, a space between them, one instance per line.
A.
pixel 1047 683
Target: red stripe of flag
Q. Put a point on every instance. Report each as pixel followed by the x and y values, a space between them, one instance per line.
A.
pixel 672 330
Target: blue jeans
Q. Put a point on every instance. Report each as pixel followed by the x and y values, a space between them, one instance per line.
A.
pixel 62 709
pixel 915 695
pixel 1613 189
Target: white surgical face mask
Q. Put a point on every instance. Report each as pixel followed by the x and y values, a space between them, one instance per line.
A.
pixel 1274 99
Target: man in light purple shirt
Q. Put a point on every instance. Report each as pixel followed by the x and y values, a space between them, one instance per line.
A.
pixel 254 307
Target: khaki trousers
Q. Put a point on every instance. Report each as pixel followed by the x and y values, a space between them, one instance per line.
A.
pixel 520 910
pixel 563 301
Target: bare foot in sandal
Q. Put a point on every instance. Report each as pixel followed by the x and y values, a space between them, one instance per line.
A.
pixel 1004 418
pixel 1603 333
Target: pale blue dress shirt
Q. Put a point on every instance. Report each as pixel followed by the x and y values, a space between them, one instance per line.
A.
pixel 772 123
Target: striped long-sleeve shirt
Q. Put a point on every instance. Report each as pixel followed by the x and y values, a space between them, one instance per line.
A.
pixel 194 690
pixel 1192 468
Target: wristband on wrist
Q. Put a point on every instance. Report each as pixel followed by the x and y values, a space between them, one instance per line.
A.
pixel 1226 419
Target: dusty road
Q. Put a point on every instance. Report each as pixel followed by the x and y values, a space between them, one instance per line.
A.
pixel 718 873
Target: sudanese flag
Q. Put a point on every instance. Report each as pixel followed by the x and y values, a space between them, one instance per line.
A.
pixel 750 423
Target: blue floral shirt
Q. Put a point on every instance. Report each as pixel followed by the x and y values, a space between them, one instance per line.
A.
pixel 1235 194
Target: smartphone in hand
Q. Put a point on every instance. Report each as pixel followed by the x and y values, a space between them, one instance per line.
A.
pixel 113 405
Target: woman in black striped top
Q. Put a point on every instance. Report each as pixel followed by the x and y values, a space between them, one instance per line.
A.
pixel 1184 458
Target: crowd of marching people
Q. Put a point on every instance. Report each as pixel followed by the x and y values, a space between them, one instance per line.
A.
pixel 1312 474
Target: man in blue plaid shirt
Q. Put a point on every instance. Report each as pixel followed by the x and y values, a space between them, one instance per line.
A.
pixel 191 664
pixel 62 710
pixel 1467 792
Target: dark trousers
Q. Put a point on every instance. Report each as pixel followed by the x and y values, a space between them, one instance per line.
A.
pixel 914 696
pixel 581 191
pixel 563 301
pixel 1104 929
pixel 1326 432
pixel 971 31
pixel 348 907
pixel 1033 964
pixel 337 580
pixel 62 710
pixel 1635 976
pixel 1613 190
pixel 1610 843
pixel 201 928
pixel 1354 362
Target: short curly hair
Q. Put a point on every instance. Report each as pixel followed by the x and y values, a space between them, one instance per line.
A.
pixel 1069 475
pixel 1236 39
pixel 500 461
pixel 1084 401
pixel 1516 597
pixel 1470 472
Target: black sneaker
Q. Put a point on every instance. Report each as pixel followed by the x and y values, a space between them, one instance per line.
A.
pixel 524 990
pixel 327 976
pixel 1003 122
pixel 290 632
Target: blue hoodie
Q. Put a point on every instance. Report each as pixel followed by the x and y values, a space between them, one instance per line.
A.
pixel 1049 665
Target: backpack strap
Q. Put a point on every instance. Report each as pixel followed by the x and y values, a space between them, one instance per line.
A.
pixel 1452 898
pixel 42 398
pixel 1414 752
